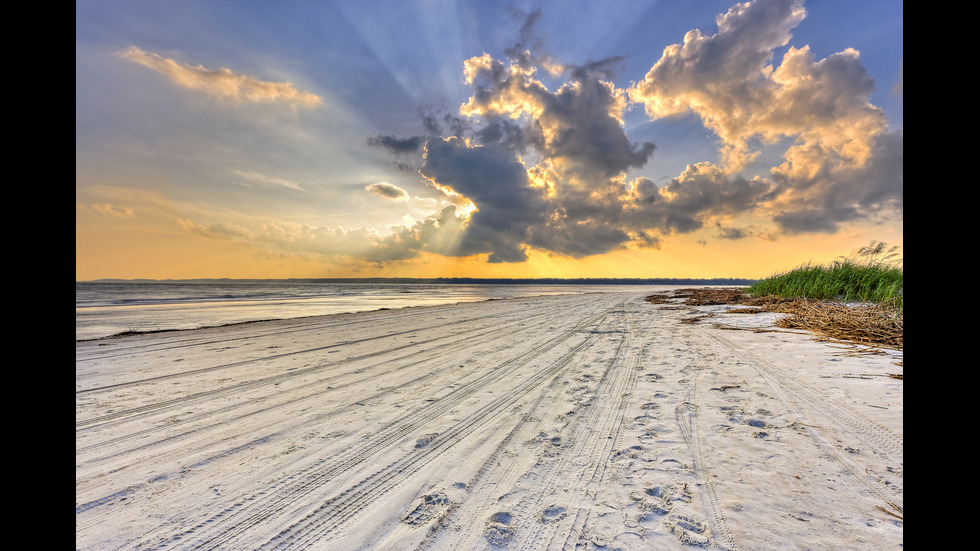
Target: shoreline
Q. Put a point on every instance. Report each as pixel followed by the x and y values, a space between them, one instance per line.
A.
pixel 103 311
pixel 527 422
pixel 311 317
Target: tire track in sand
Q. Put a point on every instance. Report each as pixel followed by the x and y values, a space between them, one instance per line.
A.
pixel 520 494
pixel 271 357
pixel 809 402
pixel 439 348
pixel 336 511
pixel 594 437
pixel 689 423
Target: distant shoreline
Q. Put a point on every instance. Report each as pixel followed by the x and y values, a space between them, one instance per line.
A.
pixel 457 281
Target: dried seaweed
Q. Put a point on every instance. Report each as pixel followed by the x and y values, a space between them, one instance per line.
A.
pixel 864 323
pixel 861 323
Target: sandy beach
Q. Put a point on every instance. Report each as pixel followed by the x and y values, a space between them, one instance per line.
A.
pixel 591 421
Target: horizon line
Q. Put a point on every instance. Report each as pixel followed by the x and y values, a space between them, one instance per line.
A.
pixel 441 279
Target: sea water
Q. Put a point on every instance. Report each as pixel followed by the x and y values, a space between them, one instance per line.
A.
pixel 105 308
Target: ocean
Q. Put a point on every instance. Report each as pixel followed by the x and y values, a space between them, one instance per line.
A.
pixel 105 308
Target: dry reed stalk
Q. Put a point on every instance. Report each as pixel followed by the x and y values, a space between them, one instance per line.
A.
pixel 862 323
pixel 865 323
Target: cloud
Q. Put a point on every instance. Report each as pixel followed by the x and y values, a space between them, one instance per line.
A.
pixel 388 191
pixel 532 168
pixel 438 234
pixel 494 180
pixel 843 163
pixel 731 233
pixel 578 128
pixel 108 209
pixel 222 83
pixel 603 68
pixel 254 177
pixel 703 191
pixel 215 231
pixel 528 40
pixel 397 145
pixel 546 169
pixel 722 77
pixel 831 195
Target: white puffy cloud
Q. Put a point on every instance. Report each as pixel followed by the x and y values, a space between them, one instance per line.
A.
pixel 843 163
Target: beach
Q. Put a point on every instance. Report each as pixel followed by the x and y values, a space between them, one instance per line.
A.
pixel 581 421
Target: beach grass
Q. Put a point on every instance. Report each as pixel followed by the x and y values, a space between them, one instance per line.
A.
pixel 874 274
pixel 858 298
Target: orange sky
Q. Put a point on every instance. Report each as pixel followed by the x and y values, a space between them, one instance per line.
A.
pixel 118 247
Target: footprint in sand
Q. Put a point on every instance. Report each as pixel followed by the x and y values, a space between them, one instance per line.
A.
pixel 641 453
pixel 643 420
pixel 653 503
pixel 549 443
pixel 673 464
pixel 648 436
pixel 498 531
pixel 688 530
pixel 553 514
pixel 759 424
pixel 432 505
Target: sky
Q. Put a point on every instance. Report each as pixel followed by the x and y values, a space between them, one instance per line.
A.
pixel 441 138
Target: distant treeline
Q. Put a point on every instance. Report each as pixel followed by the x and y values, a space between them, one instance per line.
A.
pixel 555 281
pixel 478 280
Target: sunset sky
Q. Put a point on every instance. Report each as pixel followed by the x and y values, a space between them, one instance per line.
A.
pixel 473 138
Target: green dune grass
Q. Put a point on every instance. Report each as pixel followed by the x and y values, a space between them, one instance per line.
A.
pixel 873 274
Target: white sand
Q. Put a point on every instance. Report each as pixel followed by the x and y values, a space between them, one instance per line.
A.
pixel 593 421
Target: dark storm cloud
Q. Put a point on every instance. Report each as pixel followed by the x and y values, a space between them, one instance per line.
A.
pixel 497 183
pixel 732 234
pixel 703 190
pixel 397 145
pixel 522 51
pixel 585 132
pixel 578 239
pixel 509 134
pixel 604 68
pixel 438 123
pixel 577 126
pixel 490 176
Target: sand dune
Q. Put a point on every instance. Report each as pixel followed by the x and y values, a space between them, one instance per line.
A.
pixel 593 421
